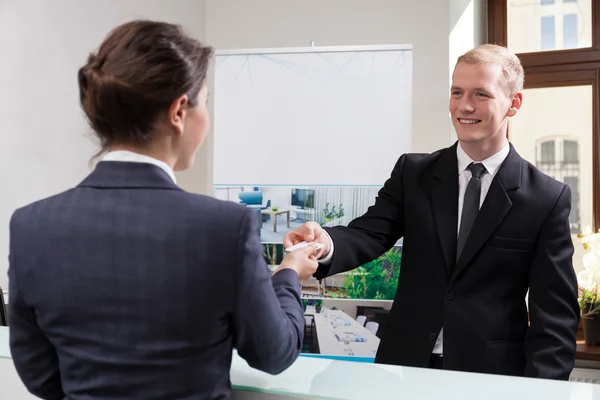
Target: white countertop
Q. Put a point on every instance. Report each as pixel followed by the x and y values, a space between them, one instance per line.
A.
pixel 320 378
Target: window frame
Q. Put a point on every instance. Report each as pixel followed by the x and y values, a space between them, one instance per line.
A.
pixel 559 68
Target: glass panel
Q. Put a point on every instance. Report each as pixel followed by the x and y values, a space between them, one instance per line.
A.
pixel 570 151
pixel 548 42
pixel 543 25
pixel 575 217
pixel 547 153
pixel 570 31
pixel 559 146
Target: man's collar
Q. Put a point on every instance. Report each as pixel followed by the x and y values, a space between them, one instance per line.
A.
pixel 491 164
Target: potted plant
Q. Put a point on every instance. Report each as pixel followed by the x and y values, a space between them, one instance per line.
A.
pixel 318 306
pixel 329 215
pixel 589 286
pixel 304 304
pixel 273 254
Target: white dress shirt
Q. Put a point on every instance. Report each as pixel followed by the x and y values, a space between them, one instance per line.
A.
pixel 491 164
pixel 130 156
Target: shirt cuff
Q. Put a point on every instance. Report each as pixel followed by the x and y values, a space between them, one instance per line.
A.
pixel 329 256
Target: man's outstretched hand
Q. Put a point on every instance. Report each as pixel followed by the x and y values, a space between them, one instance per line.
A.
pixel 309 232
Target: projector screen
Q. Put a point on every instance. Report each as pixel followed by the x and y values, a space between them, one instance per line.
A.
pixel 311 116
pixel 312 134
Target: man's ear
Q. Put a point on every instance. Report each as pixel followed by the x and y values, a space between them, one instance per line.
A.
pixel 515 104
pixel 177 113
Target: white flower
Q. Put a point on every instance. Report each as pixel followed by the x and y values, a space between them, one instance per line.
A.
pixel 587 279
pixel 587 231
pixel 590 275
pixel 590 260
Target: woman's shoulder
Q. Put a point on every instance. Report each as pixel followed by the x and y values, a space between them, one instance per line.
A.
pixel 202 204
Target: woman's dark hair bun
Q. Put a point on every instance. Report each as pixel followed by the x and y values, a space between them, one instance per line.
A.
pixel 138 71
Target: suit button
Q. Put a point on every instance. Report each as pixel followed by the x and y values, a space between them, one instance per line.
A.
pixel 433 336
pixel 450 296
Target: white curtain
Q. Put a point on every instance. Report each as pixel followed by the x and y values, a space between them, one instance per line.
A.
pixel 228 193
pixel 354 201
pixel 362 199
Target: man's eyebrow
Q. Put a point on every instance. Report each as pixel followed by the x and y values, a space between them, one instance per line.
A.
pixel 477 89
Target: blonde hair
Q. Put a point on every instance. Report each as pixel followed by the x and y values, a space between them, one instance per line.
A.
pixel 498 55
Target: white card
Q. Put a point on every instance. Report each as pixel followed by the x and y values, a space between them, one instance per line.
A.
pixel 301 245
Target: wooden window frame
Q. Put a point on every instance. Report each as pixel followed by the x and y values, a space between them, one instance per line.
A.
pixel 559 68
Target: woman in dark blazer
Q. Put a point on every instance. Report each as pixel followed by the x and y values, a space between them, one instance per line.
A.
pixel 126 286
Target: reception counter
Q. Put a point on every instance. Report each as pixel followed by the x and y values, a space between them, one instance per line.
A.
pixel 314 378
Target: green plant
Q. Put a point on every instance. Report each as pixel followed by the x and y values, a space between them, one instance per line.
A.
pixel 589 278
pixel 329 215
pixel 273 253
pixel 311 302
pixel 589 301
pixel 305 303
pixel 377 280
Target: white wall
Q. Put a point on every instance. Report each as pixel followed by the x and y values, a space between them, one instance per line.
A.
pixel 43 144
pixel 468 28
pixel 44 43
pixel 239 24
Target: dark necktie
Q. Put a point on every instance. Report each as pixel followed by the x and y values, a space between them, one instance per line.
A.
pixel 470 206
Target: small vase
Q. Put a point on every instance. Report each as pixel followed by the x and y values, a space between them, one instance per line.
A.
pixel 591 329
pixel 318 309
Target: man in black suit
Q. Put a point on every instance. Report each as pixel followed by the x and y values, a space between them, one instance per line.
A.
pixel 481 228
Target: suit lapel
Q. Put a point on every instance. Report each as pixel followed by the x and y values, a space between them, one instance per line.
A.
pixel 496 205
pixel 444 202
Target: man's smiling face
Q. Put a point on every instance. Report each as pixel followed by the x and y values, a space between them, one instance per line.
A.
pixel 479 102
